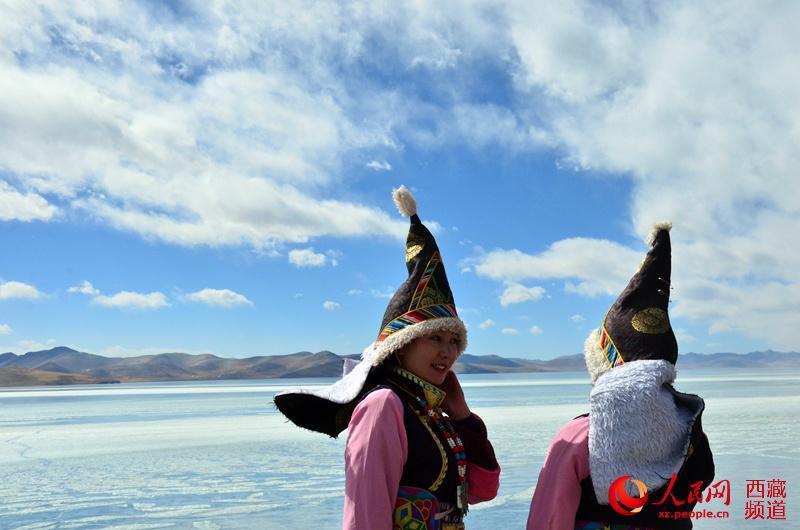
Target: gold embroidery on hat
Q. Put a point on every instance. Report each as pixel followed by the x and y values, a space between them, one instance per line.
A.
pixel 651 321
pixel 414 246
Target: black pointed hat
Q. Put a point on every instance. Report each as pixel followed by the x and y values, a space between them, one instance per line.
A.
pixel 424 302
pixel 637 326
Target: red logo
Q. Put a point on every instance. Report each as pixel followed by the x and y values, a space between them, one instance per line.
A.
pixel 621 501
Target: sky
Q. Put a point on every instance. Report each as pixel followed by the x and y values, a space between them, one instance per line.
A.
pixel 216 177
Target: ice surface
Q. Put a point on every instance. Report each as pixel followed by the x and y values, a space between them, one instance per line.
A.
pixel 218 455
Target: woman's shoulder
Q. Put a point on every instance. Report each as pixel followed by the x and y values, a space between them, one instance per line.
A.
pixel 575 430
pixel 381 397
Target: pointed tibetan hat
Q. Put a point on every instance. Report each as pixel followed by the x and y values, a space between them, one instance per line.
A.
pixel 422 305
pixel 637 325
pixel 424 302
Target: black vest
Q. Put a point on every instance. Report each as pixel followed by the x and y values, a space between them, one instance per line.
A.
pixel 698 467
pixel 430 464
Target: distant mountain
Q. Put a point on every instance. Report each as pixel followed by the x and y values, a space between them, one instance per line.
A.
pixel 63 365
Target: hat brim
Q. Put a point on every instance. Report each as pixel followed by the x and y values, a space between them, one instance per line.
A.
pixel 326 410
pixel 379 351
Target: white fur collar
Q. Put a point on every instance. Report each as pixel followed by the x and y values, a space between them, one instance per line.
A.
pixel 636 427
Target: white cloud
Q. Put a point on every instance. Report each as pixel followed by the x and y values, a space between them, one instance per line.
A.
pixel 306 257
pixel 219 297
pixel 211 134
pixel 9 290
pixel 379 165
pixel 517 293
pixel 330 305
pixel 577 318
pixel 651 93
pixel 509 331
pixel 536 330
pixel 386 293
pixel 131 300
pixel 486 324
pixel 354 292
pixel 23 206
pixel 85 288
pixel 123 117
pixel 5 329
pixel 599 266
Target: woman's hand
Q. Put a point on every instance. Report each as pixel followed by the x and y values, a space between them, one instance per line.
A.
pixel 455 405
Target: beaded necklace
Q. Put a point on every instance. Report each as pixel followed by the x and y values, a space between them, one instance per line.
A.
pixel 444 426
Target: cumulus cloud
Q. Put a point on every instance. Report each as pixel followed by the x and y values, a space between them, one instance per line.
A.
pixel 509 331
pixel 536 330
pixel 85 288
pixel 212 134
pixel 486 324
pixel 132 300
pixel 219 297
pixel 9 290
pixel 23 206
pixel 5 329
pixel 330 305
pixel 593 266
pixel 577 318
pixel 517 293
pixel 194 134
pixel 306 257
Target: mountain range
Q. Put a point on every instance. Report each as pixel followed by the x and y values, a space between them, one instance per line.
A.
pixel 63 366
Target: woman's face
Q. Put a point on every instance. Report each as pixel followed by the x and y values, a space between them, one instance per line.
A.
pixel 431 357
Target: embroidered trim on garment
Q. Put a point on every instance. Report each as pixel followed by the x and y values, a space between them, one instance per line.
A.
pixel 423 282
pixel 613 355
pixel 415 508
pixel 433 394
pixel 415 317
pixel 433 415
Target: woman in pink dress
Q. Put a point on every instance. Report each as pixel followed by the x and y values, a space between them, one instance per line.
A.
pixel 416 456
pixel 640 459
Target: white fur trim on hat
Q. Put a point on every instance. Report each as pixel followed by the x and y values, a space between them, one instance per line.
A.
pixel 377 352
pixel 405 201
pixel 658 227
pixel 596 360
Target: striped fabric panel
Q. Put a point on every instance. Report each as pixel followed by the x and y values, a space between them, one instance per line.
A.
pixel 612 354
pixel 423 282
pixel 415 317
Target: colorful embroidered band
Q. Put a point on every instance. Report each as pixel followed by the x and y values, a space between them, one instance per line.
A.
pixel 613 355
pixel 415 317
pixel 423 282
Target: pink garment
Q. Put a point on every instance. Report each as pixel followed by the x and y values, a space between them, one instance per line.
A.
pixel 377 449
pixel 558 491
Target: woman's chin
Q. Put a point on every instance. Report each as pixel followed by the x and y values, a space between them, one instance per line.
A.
pixel 437 378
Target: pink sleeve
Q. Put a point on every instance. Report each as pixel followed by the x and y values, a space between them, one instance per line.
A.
pixel 558 492
pixel 376 451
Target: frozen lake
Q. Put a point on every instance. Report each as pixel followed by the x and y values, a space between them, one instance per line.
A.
pixel 213 455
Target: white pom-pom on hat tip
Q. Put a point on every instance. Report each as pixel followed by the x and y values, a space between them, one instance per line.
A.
pixel 658 227
pixel 405 201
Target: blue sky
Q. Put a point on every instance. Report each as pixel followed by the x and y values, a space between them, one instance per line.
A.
pixel 216 177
